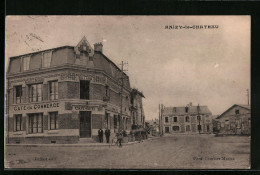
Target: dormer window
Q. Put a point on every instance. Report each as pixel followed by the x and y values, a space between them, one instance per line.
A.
pixel 46 59
pixel 26 63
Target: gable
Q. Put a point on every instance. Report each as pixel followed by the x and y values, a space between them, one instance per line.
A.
pixel 232 111
pixel 84 43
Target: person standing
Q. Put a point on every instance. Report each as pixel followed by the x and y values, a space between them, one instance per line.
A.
pixel 100 135
pixel 119 139
pixel 107 134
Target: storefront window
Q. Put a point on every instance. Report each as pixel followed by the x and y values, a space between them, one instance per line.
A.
pixel 175 128
pixel 35 123
pixel 53 120
pixel 18 122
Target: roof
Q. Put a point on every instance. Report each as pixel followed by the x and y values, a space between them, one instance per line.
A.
pixel 248 107
pixel 56 48
pixel 192 110
pixel 136 91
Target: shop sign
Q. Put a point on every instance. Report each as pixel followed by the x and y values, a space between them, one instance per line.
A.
pixel 36 106
pixel 84 108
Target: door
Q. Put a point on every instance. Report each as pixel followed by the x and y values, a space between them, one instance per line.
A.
pixel 85 124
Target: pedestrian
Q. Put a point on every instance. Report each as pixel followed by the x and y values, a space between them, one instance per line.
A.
pixel 107 134
pixel 100 135
pixel 119 139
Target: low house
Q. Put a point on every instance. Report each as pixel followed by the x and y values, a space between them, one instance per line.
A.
pixel 235 120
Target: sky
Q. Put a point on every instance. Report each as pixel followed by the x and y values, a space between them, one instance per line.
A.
pixel 172 67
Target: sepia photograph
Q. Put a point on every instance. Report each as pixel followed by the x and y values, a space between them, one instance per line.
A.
pixel 127 92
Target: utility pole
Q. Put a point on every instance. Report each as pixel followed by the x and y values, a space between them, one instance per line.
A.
pixel 247 96
pixel 160 119
pixel 121 94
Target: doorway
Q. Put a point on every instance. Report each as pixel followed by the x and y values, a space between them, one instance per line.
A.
pixel 85 124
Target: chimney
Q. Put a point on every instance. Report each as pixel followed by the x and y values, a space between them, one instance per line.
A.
pixel 98 47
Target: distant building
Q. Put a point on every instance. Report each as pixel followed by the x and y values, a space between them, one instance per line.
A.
pixel 136 108
pixel 153 126
pixel 189 119
pixel 235 120
pixel 64 94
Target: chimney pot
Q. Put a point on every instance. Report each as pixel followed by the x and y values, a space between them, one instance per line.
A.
pixel 98 47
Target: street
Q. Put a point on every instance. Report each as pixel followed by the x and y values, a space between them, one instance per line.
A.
pixel 168 152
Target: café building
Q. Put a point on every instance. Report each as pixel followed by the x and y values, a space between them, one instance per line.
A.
pixel 65 94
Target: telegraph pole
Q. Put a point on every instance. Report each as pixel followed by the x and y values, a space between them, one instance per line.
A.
pixel 247 96
pixel 121 94
pixel 160 119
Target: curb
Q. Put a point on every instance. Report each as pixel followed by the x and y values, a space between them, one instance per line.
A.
pixel 80 145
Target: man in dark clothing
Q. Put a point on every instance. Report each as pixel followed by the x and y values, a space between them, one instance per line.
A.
pixel 120 139
pixel 100 135
pixel 107 134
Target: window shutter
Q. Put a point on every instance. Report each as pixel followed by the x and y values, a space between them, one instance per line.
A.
pixel 45 92
pixel 11 96
pixel 24 95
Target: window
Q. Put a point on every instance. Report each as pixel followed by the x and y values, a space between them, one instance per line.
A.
pixel 35 123
pixel 18 122
pixel 175 128
pixel 18 94
pixel 115 122
pixel 186 109
pixel 198 118
pixel 84 89
pixel 237 111
pixel 26 63
pixel 207 128
pixel 167 130
pixel 187 119
pixel 35 92
pixel 188 128
pixel 126 121
pixel 199 127
pixel 107 91
pixel 166 120
pixel 106 119
pixel 175 119
pixel 53 90
pixel 47 59
pixel 53 120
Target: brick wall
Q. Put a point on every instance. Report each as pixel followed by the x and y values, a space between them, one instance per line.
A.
pixel 97 92
pixel 98 121
pixel 69 90
pixel 66 121
pixel 193 127
pixel 114 98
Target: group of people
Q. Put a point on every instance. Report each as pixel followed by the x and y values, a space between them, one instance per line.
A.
pixel 107 134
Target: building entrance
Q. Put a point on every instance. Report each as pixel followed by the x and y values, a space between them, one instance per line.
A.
pixel 85 124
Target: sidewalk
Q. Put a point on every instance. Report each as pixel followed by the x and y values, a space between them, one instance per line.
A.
pixel 83 144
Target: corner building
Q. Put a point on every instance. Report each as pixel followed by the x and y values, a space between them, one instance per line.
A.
pixel 67 93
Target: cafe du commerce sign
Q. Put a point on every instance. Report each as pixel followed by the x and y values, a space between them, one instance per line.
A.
pixel 36 106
